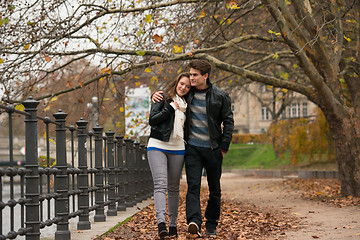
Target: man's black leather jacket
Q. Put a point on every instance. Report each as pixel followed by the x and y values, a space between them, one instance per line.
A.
pixel 219 116
pixel 161 120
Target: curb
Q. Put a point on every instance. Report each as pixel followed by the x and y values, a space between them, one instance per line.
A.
pixel 284 173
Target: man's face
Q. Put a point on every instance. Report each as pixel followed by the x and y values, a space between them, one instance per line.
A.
pixel 197 80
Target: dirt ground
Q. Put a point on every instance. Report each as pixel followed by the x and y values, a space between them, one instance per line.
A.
pixel 317 219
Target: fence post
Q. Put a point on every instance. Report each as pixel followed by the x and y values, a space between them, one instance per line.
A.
pixel 72 128
pixel 130 173
pixel 83 181
pixel 61 179
pixel 110 159
pixel 143 173
pixel 120 176
pixel 137 170
pixel 99 176
pixel 126 175
pixel 32 165
pixel 105 169
pixel 149 182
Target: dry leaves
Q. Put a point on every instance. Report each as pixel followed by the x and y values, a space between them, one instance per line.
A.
pixel 324 190
pixel 238 221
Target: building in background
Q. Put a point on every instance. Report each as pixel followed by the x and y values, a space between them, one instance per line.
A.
pixel 252 108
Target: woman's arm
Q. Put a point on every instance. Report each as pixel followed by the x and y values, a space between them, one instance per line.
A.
pixel 159 112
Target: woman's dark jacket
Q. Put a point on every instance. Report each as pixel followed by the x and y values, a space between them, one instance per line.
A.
pixel 219 116
pixel 161 120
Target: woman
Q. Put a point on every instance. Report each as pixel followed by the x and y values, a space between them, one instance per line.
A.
pixel 166 149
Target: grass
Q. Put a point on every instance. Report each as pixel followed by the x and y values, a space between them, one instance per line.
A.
pixel 245 156
pixel 113 229
pixel 258 156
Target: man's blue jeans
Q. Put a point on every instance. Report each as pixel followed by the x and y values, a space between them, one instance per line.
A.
pixel 197 158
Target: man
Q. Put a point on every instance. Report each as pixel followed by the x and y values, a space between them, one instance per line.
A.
pixel 208 131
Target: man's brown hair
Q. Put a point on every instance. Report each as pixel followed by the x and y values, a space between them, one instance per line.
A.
pixel 202 65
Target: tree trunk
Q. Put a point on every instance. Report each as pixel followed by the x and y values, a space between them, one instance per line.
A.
pixel 273 138
pixel 347 150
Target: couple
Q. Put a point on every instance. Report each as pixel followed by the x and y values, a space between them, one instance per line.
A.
pixel 195 112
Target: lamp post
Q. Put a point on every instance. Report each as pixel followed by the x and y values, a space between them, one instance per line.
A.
pixel 94 100
pixel 93 108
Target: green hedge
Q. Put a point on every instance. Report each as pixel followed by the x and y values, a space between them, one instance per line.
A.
pixel 247 138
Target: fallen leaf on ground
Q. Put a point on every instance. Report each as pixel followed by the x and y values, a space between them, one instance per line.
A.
pixel 237 221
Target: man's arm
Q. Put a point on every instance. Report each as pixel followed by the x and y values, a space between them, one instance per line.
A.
pixel 160 111
pixel 228 123
pixel 157 96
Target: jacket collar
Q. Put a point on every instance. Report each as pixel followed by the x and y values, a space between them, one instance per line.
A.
pixel 193 89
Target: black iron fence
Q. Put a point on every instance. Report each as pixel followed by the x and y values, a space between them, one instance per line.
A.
pixel 106 174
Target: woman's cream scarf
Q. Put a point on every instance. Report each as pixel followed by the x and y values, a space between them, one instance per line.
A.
pixel 178 130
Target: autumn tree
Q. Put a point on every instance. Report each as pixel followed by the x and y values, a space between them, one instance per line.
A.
pixel 306 140
pixel 316 43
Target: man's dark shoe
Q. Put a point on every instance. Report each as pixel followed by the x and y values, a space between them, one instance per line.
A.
pixel 193 228
pixel 173 232
pixel 162 230
pixel 211 232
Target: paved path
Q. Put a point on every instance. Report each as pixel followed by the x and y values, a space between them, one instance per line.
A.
pixel 318 220
pixel 99 228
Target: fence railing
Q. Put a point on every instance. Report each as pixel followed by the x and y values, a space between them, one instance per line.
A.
pixel 106 174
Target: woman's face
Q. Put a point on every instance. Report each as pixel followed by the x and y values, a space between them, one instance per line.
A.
pixel 183 86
